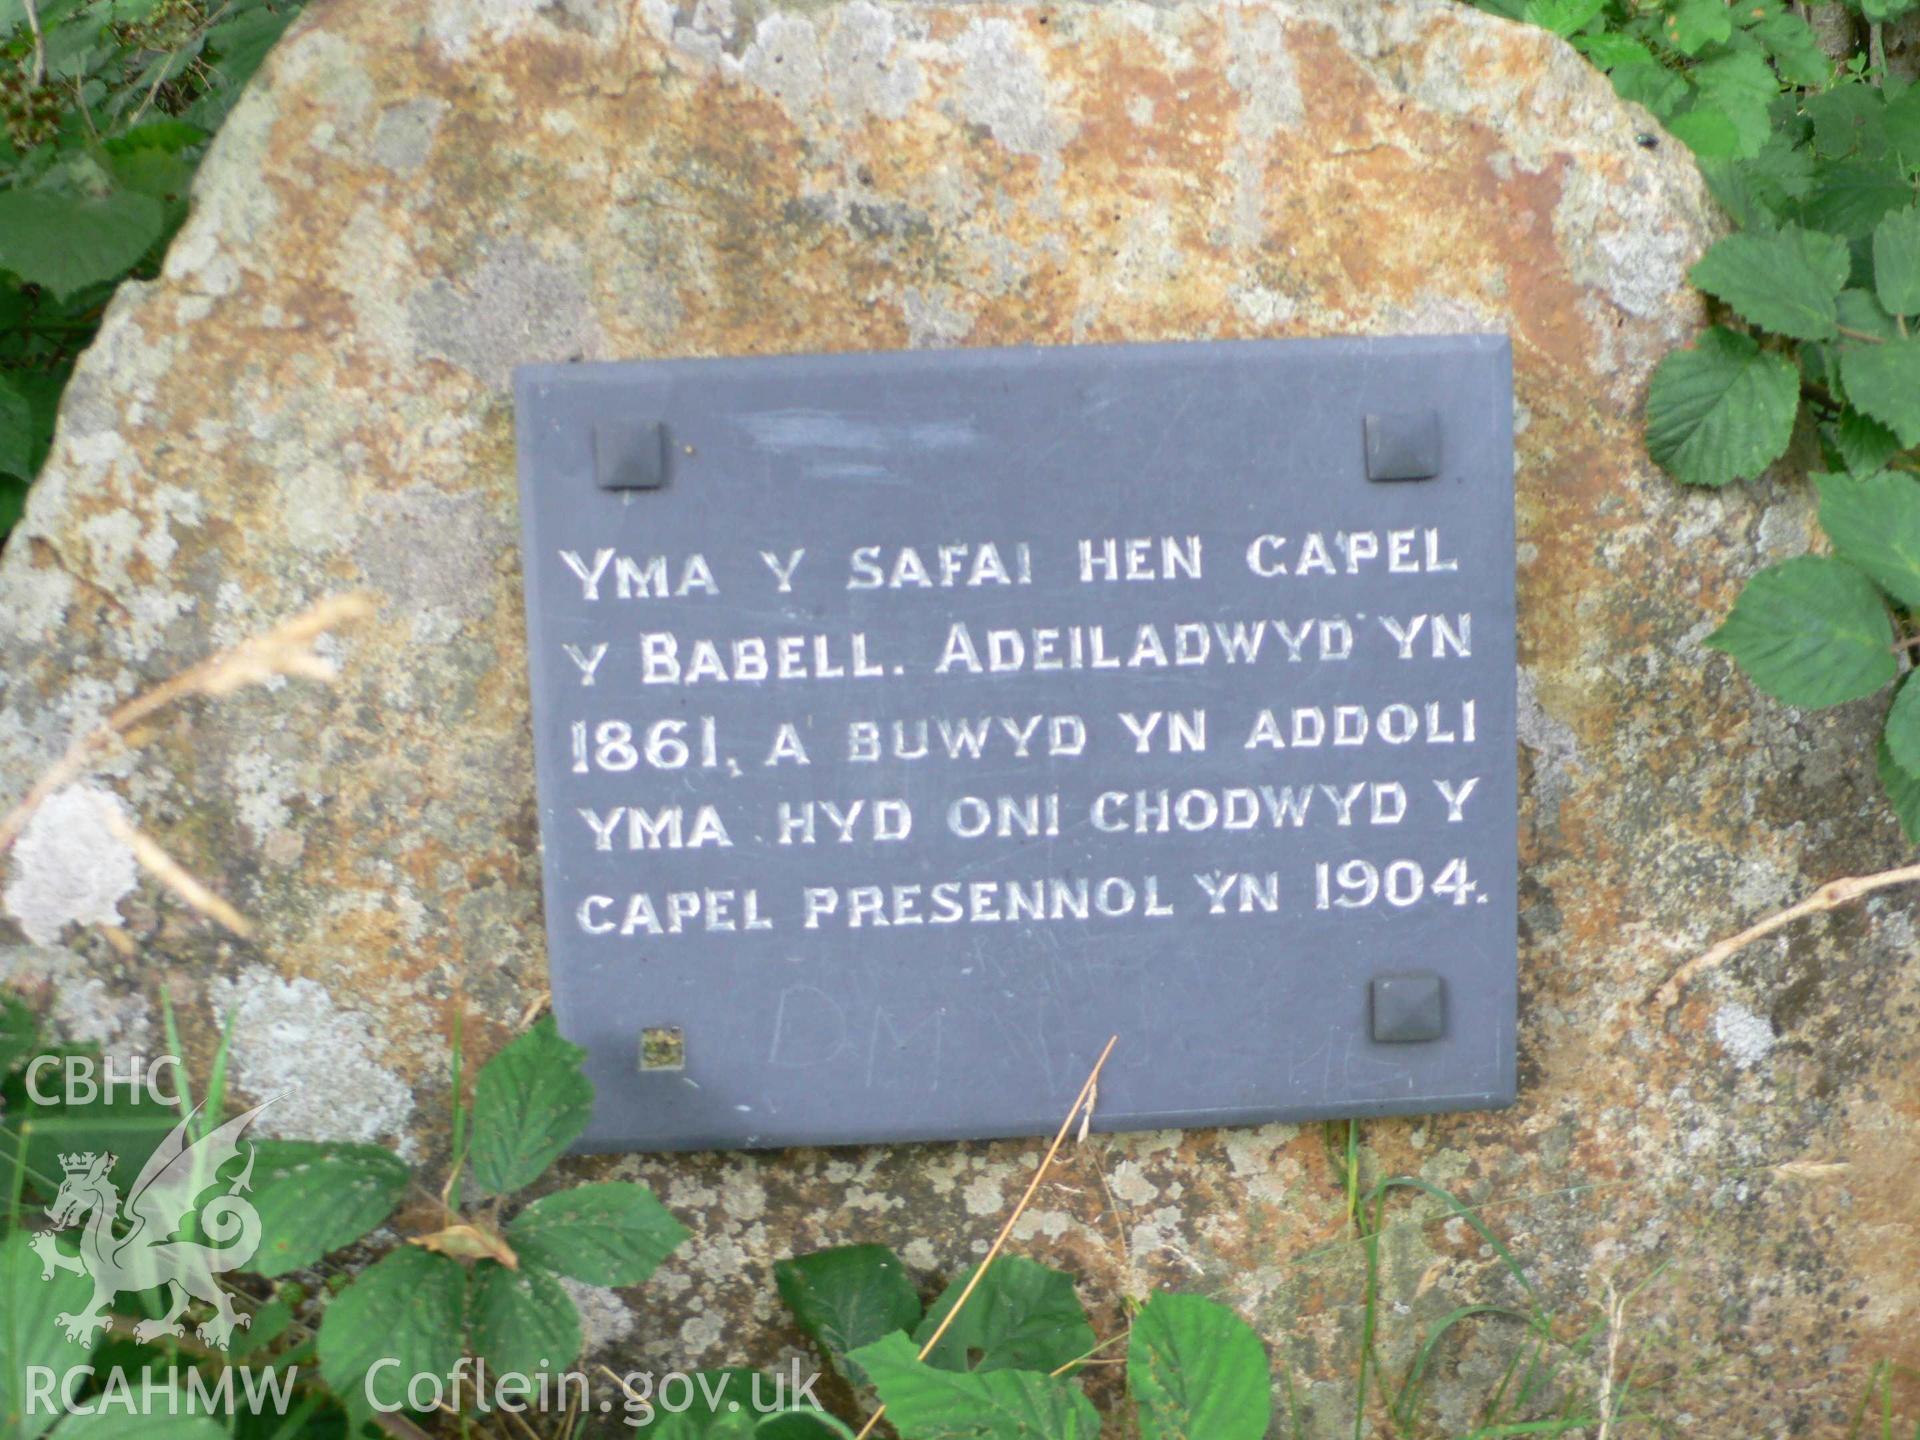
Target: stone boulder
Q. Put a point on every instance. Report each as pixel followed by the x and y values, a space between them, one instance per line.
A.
pixel 417 195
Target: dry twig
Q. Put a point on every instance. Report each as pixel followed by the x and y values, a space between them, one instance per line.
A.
pixel 287 649
pixel 1830 896
pixel 1083 1102
pixel 170 872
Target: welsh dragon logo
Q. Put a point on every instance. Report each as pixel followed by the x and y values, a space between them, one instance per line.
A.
pixel 135 1246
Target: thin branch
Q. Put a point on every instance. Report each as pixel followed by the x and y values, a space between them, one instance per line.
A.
pixel 1830 896
pixel 1081 1102
pixel 170 872
pixel 39 42
pixel 284 650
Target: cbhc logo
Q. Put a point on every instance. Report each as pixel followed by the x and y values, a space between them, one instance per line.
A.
pixel 83 1079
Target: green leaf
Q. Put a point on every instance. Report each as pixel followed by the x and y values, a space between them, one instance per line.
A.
pixel 1864 443
pixel 1796 51
pixel 1692 25
pixel 128 1127
pixel 1609 50
pixel 522 1320
pixel 1902 737
pixel 610 1233
pixel 17 435
pixel 529 1104
pixel 713 1405
pixel 316 1198
pixel 1706 130
pixel 802 1425
pixel 65 242
pixel 269 1323
pixel 1654 86
pixel 405 1308
pixel 1196 1369
pixel 1741 86
pixel 1021 1316
pixel 1861 310
pixel 1874 524
pixel 928 1403
pixel 1885 9
pixel 1896 261
pixel 167 1412
pixel 29 1334
pixel 1722 410
pixel 1903 792
pixel 1811 631
pixel 1563 17
pixel 1784 280
pixel 13 503
pixel 848 1297
pixel 1902 122
pixel 1849 119
pixel 1884 381
pixel 19 1032
pixel 1850 196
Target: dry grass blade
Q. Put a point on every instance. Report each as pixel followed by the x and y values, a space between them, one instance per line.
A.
pixel 172 874
pixel 1082 1103
pixel 1830 896
pixel 287 649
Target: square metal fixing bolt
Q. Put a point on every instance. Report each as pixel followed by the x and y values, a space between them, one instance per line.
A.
pixel 1408 1007
pixel 1403 445
pixel 630 454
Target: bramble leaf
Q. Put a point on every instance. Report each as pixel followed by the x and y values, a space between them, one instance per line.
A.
pixel 66 242
pixel 1195 1368
pixel 1692 25
pixel 1902 736
pixel 1896 261
pixel 316 1198
pixel 1785 280
pixel 610 1233
pixel 1903 792
pixel 1884 381
pixel 925 1402
pixel 1722 410
pixel 530 1102
pixel 406 1308
pixel 847 1297
pixel 521 1320
pixel 1021 1316
pixel 1810 631
pixel 1863 442
pixel 1874 524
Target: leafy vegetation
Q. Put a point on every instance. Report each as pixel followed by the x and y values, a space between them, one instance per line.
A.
pixel 1816 158
pixel 106 107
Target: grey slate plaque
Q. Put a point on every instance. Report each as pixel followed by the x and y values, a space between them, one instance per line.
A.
pixel 907 724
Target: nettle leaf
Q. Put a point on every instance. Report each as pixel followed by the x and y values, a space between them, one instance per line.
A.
pixel 848 1297
pixel 1692 25
pixel 610 1233
pixel 1610 50
pixel 1811 631
pixel 1884 381
pixel 1863 442
pixel 1903 792
pixel 65 242
pixel 1786 280
pixel 313 1199
pixel 1659 89
pixel 1021 1316
pixel 408 1307
pixel 521 1320
pixel 530 1102
pixel 1896 261
pixel 1196 1369
pixel 1874 524
pixel 928 1403
pixel 29 1335
pixel 1708 131
pixel 1722 410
